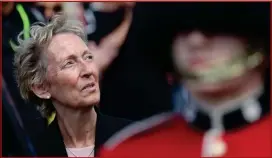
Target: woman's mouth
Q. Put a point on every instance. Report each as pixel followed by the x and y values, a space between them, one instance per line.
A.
pixel 91 87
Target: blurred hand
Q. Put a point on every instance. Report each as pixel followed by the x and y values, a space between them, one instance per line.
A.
pixel 112 6
pixel 108 48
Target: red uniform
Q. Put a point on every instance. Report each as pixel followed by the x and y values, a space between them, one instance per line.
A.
pixel 169 135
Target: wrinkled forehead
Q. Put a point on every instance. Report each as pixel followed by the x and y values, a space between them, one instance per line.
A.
pixel 65 44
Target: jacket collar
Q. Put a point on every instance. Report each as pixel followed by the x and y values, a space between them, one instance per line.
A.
pixel 54 139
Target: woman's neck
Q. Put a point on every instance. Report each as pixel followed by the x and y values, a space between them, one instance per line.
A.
pixel 77 126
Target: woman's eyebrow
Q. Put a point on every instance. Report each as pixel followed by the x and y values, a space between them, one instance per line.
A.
pixel 86 52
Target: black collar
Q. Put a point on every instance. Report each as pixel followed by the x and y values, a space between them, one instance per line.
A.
pixel 54 140
pixel 51 143
pixel 247 111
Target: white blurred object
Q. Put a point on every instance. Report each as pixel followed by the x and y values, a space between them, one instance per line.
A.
pixel 76 10
pixel 90 19
pixel 110 6
pixel 105 6
pixel 213 144
pixel 97 6
pixel 72 8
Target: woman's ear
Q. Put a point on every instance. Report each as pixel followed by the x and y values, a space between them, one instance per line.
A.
pixel 41 91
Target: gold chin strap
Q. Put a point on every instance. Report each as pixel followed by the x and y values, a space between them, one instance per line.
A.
pixel 234 68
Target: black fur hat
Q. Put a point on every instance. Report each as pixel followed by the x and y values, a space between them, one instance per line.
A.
pixel 245 19
pixel 156 24
pixel 250 20
pixel 241 18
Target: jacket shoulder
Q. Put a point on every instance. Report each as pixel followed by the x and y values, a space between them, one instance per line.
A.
pixel 113 123
pixel 107 126
pixel 137 128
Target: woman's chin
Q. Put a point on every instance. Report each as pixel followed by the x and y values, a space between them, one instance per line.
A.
pixel 94 100
pixel 90 100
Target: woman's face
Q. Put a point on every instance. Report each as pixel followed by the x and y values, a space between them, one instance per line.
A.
pixel 71 73
pixel 196 52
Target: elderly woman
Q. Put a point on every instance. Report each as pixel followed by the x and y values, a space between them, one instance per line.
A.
pixel 56 71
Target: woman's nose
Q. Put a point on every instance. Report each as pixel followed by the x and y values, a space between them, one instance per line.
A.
pixel 196 39
pixel 86 70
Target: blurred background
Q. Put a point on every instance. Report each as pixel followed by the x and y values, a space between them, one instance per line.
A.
pixel 138 79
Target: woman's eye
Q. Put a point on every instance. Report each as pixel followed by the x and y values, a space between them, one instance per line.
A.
pixel 89 57
pixel 68 64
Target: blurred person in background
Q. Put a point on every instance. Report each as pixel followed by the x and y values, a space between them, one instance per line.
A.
pixel 136 77
pixel 17 17
pixel 109 35
pixel 56 71
pixel 221 54
pixel 15 139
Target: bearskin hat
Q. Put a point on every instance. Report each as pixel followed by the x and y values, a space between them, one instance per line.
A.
pixel 250 20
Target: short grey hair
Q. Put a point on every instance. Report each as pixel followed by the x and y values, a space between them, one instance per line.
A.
pixel 30 64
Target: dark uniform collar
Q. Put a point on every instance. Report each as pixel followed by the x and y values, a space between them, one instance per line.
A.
pixel 239 113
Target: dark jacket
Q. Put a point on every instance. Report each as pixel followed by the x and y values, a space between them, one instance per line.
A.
pixel 50 143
